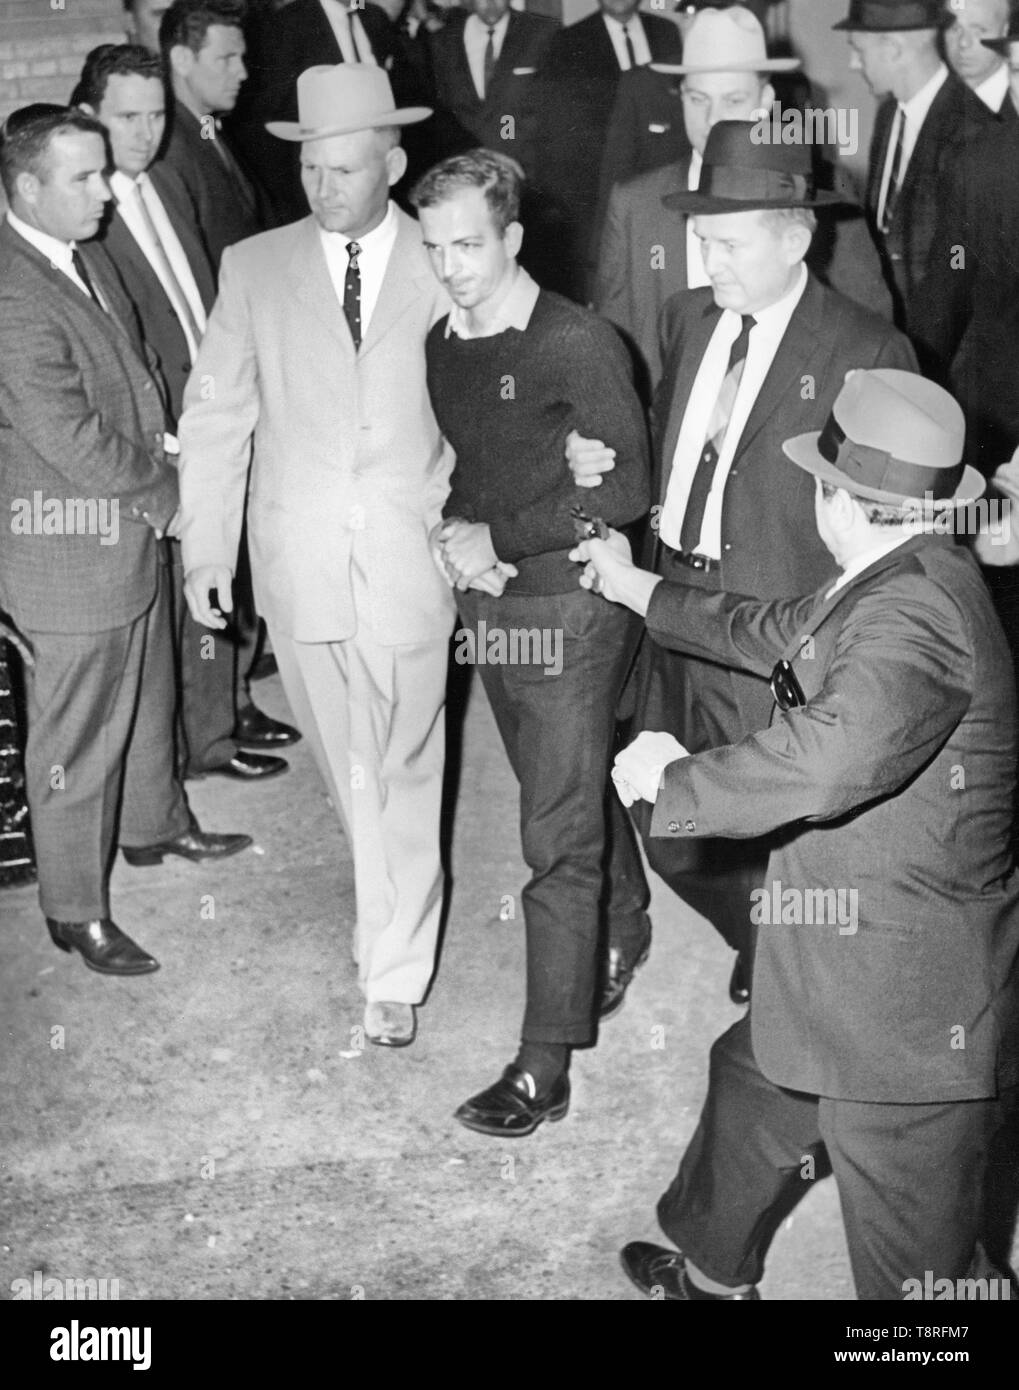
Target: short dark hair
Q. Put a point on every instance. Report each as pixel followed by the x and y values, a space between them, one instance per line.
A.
pixel 187 22
pixel 26 136
pixel 498 176
pixel 114 60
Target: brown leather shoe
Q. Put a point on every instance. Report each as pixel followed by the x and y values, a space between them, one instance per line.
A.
pixel 195 844
pixel 661 1274
pixel 102 946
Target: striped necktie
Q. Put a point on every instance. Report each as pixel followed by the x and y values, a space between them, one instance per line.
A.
pixel 693 517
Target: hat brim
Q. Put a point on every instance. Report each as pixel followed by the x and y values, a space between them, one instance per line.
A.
pixel 852 26
pixel 707 205
pixel 803 451
pixel 294 131
pixel 1001 46
pixel 765 65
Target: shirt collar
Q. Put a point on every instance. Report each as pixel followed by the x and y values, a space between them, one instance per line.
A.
pixel 371 241
pixel 57 252
pixel 777 315
pixel 619 23
pixel 497 29
pixel 994 89
pixel 694 176
pixel 514 312
pixel 916 108
pixel 859 563
pixel 122 186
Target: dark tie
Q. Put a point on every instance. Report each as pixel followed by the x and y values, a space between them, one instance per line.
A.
pixel 489 70
pixel 238 177
pixel 693 517
pixel 892 196
pixel 352 293
pixel 629 46
pixel 81 270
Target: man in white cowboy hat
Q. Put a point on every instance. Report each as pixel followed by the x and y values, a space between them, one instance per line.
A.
pixel 926 118
pixel 881 1043
pixel 759 354
pixel 647 253
pixel 314 354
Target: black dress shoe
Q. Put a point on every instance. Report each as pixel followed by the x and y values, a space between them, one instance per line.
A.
pixel 194 844
pixel 510 1109
pixel 255 729
pixel 661 1273
pixel 620 968
pixel 245 767
pixel 739 980
pixel 103 947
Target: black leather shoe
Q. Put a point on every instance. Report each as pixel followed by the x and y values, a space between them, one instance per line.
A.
pixel 739 980
pixel 245 767
pixel 194 844
pixel 620 968
pixel 510 1109
pixel 103 947
pixel 661 1273
pixel 255 729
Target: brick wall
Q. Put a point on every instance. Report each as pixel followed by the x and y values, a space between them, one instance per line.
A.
pixel 43 45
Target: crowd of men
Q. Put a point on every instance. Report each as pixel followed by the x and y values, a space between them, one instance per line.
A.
pixel 354 327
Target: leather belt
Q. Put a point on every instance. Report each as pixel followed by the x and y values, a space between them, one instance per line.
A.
pixel 691 561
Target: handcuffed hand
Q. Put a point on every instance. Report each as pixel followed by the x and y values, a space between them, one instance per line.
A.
pixel 466 550
pixel 588 459
pixel 637 770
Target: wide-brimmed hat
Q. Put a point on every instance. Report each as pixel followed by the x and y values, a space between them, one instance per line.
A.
pixel 339 99
pixel 729 40
pixel 741 173
pixel 892 437
pixel 1002 45
pixel 895 16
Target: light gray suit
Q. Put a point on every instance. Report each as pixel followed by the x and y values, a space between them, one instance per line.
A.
pixel 347 477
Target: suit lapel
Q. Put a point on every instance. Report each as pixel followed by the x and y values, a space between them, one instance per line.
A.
pixel 313 285
pixel 791 363
pixel 462 79
pixel 189 239
pixel 402 285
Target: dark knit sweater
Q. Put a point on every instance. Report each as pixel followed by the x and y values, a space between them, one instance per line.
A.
pixel 506 404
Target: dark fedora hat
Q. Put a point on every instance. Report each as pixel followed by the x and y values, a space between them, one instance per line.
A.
pixel 1003 45
pixel 895 16
pixel 744 170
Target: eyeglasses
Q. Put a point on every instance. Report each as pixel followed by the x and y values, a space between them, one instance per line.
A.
pixel 786 688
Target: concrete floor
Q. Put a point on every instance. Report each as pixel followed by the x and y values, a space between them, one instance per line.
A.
pixel 218 1131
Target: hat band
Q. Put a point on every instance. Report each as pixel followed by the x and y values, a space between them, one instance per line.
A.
pixel 754 185
pixel 875 468
pixel 905 16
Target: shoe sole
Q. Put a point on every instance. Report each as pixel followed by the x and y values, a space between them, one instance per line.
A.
pixel 234 777
pixel 559 1113
pixel 392 1042
pixel 146 858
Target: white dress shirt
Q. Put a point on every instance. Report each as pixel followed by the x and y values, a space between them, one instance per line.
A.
pixel 765 337
pixel 127 191
pixel 355 46
pixel 376 248
pixel 475 43
pixel 860 562
pixel 696 275
pixel 914 113
pixel 641 47
pixel 57 252
pixel 514 312
pixel 994 89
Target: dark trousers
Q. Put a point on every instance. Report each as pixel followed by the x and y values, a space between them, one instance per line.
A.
pixel 207 664
pixel 910 1177
pixel 558 730
pixel 100 754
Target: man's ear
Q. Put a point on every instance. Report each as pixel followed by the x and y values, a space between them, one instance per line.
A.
pixel 396 164
pixel 514 238
pixel 88 109
pixel 182 60
pixel 27 185
pixel 767 97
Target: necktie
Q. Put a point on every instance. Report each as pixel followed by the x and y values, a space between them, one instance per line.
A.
pixel 892 192
pixel 693 517
pixel 81 270
pixel 489 67
pixel 362 45
pixel 630 53
pixel 237 176
pixel 166 273
pixel 352 293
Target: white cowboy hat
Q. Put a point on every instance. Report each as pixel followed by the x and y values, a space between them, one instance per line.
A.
pixel 729 40
pixel 341 98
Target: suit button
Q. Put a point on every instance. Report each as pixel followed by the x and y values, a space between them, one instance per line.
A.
pixel 147 386
pixel 690 826
pixel 727 546
pixel 673 827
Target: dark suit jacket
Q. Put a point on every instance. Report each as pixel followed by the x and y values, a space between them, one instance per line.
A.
pixel 160 325
pixel 227 211
pixel 770 546
pixel 967 315
pixel 282 43
pixel 80 417
pixel 956 117
pixel 514 89
pixel 908 683
pixel 579 83
pixel 642 261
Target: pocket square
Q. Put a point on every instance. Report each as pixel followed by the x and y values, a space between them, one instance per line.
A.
pixel 524 72
pixel 656 129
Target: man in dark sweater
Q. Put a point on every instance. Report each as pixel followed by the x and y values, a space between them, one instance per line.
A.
pixel 512 370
